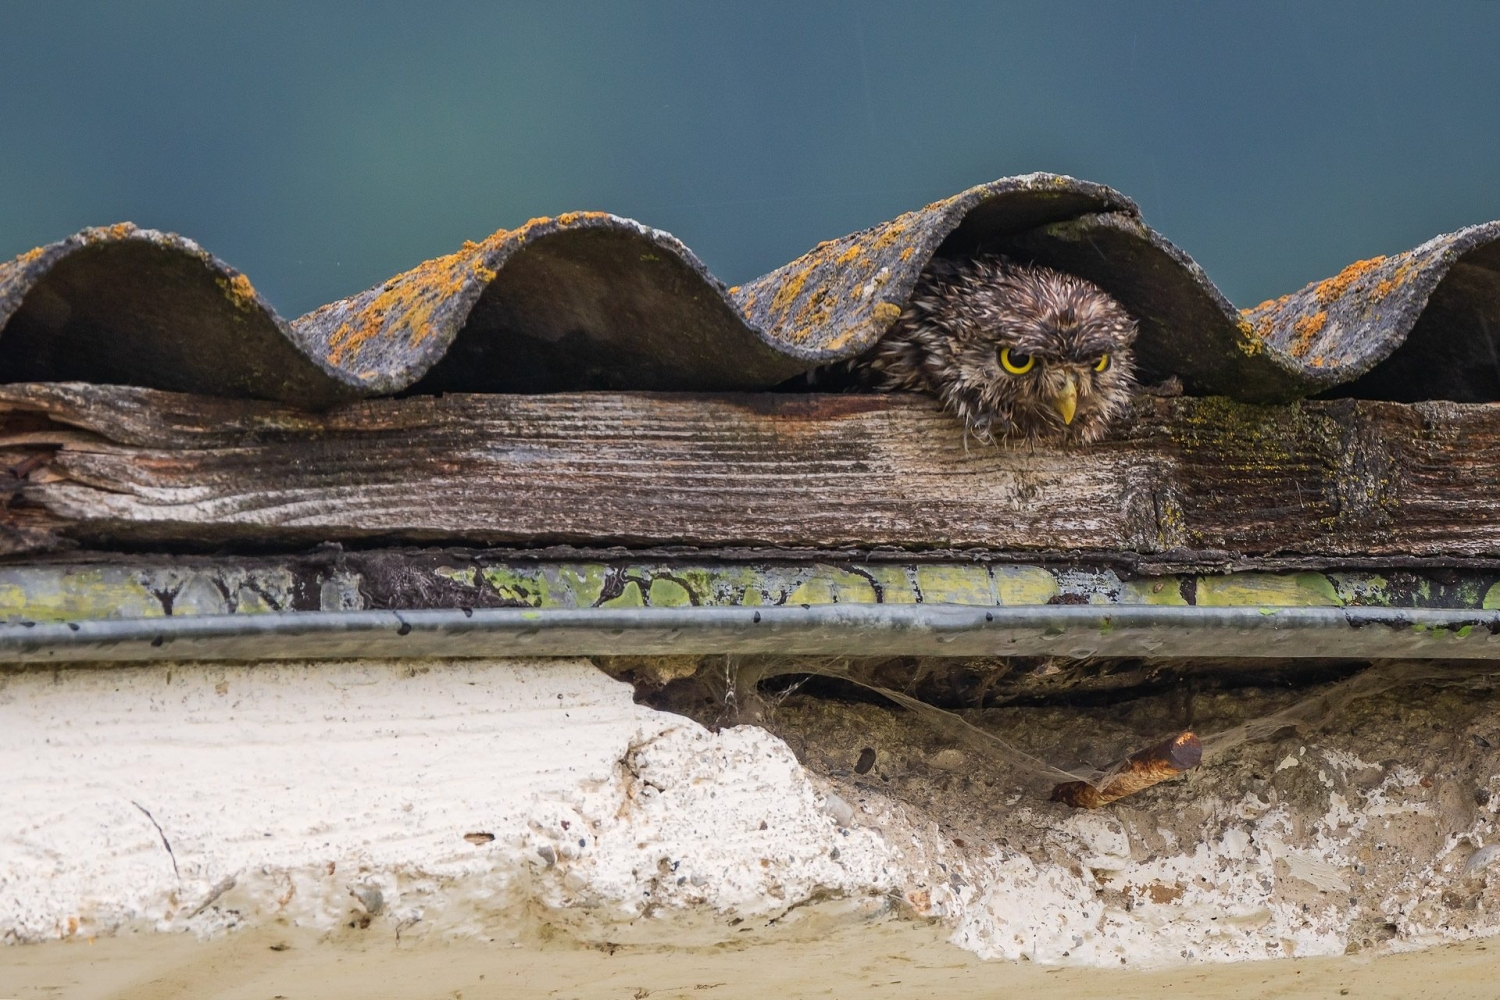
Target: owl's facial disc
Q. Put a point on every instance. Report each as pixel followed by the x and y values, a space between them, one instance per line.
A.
pixel 1066 400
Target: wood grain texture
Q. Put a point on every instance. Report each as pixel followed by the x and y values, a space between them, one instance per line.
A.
pixel 119 465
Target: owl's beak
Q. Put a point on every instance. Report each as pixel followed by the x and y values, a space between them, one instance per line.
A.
pixel 1066 402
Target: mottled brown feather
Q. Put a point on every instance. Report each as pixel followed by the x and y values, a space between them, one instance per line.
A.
pixel 962 313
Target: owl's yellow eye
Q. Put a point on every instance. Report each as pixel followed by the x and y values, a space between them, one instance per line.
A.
pixel 1016 364
pixel 1102 365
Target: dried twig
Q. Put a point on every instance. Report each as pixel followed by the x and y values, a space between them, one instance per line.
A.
pixel 1140 770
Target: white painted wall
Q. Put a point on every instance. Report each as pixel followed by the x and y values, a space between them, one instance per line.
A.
pixel 340 799
pixel 307 785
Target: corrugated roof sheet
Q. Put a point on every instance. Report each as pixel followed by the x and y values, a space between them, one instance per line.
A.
pixel 590 300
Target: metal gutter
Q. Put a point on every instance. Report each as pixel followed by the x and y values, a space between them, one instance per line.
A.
pixel 834 629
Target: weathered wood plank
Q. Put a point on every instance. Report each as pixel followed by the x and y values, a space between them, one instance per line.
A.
pixel 1336 478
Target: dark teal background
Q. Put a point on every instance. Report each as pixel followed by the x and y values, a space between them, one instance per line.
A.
pixel 321 147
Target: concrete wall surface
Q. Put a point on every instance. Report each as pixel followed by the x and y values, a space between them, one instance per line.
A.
pixel 524 828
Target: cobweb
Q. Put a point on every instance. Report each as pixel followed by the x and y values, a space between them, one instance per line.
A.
pixel 745 695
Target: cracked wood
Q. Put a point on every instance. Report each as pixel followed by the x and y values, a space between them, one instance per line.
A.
pixel 113 465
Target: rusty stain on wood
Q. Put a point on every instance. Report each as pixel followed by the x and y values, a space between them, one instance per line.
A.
pixel 1341 478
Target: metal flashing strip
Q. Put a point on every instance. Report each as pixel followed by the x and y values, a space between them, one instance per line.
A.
pixel 838 629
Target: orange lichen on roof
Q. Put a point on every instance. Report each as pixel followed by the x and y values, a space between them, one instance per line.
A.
pixel 853 253
pixel 941 203
pixel 892 232
pixel 1305 329
pixel 1266 305
pixel 906 254
pixel 523 231
pixel 1258 324
pixel 1389 285
pixel 239 291
pixel 791 288
pixel 569 218
pixel 1251 335
pixel 816 308
pixel 119 231
pixel 30 255
pixel 836 343
pixel 886 313
pixel 1331 289
pixel 408 301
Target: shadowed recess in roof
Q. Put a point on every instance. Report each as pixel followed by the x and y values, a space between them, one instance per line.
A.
pixel 589 300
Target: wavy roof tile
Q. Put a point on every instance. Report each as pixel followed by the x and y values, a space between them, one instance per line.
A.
pixel 590 300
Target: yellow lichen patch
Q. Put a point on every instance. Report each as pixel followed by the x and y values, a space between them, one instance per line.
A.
pixel 1305 329
pixel 572 218
pixel 30 255
pixel 886 313
pixel 629 597
pixel 1160 591
pixel 1491 599
pixel 831 586
pixel 1250 338
pixel 892 232
pixel 850 255
pixel 837 343
pixel 96 593
pixel 816 309
pixel 666 593
pixel 734 289
pixel 1332 289
pixel 407 302
pixel 104 234
pixel 906 254
pixel 1257 325
pixel 1267 590
pixel 523 232
pixel 238 291
pixel 1266 305
pixel 969 585
pixel 934 206
pixel 790 289
pixel 1389 285
pixel 1024 585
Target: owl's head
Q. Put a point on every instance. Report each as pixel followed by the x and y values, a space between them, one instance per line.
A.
pixel 1022 352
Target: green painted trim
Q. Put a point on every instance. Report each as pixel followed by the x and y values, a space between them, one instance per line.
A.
pixel 163 588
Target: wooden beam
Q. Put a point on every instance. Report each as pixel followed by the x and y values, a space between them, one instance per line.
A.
pixel 1345 478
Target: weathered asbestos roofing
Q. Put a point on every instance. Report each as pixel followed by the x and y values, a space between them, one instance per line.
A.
pixel 589 300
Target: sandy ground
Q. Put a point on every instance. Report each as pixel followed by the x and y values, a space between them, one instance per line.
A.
pixel 887 958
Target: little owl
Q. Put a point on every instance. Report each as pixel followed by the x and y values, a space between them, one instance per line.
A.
pixel 1017 352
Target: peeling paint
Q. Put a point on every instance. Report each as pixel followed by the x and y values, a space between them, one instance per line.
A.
pixel 239 586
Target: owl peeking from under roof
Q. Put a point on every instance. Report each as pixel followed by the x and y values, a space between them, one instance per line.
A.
pixel 1018 352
